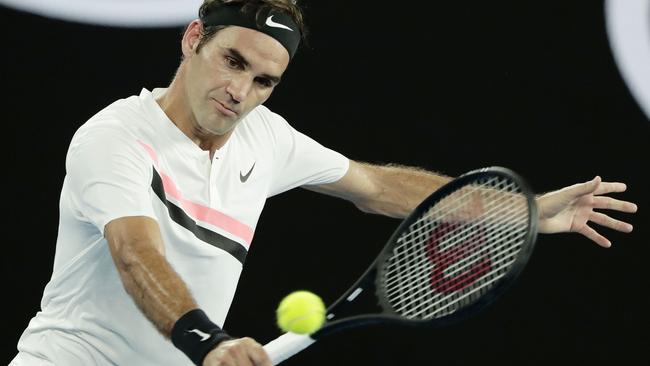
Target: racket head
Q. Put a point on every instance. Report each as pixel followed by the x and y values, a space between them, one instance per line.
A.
pixel 459 250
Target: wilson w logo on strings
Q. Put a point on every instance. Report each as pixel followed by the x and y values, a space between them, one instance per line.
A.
pixel 461 264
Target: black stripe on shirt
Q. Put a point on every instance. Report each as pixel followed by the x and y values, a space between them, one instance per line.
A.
pixel 180 217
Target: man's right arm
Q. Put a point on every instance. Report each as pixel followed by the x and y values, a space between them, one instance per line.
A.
pixel 139 255
pixel 159 292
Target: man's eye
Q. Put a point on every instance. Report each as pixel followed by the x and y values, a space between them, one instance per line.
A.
pixel 264 82
pixel 233 62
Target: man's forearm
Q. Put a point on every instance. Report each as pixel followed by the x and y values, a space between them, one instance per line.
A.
pixel 139 256
pixel 156 288
pixel 147 276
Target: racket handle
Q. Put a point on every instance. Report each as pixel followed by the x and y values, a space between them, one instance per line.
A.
pixel 286 346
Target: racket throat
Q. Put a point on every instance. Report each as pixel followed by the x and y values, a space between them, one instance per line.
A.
pixel 359 299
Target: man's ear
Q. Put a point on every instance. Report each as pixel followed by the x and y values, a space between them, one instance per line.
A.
pixel 191 38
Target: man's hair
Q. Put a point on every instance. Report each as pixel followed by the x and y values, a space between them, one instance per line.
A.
pixel 289 7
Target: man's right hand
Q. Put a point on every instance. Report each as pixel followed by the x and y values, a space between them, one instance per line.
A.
pixel 238 352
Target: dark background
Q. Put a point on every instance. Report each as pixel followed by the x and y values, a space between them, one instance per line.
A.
pixel 448 86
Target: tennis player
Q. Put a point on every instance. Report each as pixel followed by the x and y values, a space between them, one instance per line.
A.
pixel 163 191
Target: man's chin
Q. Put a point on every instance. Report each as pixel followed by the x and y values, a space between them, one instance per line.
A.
pixel 217 131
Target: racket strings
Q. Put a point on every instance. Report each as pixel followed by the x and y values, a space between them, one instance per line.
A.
pixel 464 235
pixel 427 308
pixel 457 250
pixel 451 282
pixel 417 309
pixel 410 303
pixel 421 270
pixel 456 279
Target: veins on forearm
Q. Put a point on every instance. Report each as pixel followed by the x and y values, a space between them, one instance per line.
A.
pixel 156 288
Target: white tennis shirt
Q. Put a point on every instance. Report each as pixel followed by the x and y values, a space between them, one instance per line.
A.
pixel 131 160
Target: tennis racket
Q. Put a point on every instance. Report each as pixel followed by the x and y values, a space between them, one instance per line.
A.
pixel 450 258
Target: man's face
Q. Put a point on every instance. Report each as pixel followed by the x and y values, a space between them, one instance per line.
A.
pixel 230 75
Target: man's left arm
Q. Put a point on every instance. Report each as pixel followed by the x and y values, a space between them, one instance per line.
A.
pixel 395 190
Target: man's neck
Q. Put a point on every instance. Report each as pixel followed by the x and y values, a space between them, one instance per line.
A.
pixel 175 105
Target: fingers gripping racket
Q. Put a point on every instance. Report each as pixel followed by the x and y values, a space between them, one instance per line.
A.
pixel 450 258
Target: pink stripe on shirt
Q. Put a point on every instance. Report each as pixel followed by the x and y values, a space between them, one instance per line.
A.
pixel 200 212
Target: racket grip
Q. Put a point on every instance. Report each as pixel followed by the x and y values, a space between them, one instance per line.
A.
pixel 286 346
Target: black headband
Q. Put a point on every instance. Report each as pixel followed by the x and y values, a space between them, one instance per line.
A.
pixel 277 24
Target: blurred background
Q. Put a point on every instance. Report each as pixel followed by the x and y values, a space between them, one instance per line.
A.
pixel 447 86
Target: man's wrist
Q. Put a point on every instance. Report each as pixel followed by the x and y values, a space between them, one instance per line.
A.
pixel 196 335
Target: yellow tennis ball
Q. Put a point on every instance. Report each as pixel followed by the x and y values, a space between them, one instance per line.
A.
pixel 301 312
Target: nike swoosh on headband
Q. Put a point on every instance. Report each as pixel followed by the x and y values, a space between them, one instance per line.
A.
pixel 271 23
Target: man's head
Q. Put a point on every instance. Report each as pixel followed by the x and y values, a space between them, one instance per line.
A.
pixel 233 56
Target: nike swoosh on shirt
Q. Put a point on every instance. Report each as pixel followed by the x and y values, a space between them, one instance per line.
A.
pixel 244 177
pixel 273 24
pixel 204 336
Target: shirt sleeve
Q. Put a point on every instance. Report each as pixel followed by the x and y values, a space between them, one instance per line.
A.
pixel 109 174
pixel 300 160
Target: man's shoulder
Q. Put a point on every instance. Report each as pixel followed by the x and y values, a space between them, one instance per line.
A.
pixel 121 115
pixel 122 120
pixel 124 109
